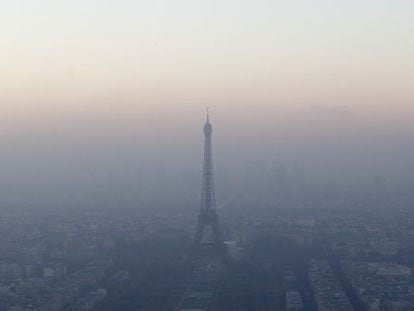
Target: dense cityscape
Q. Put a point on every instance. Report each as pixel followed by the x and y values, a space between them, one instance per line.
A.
pixel 290 257
pixel 284 259
pixel 193 155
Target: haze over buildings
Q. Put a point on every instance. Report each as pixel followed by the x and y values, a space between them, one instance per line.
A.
pixel 101 144
pixel 99 95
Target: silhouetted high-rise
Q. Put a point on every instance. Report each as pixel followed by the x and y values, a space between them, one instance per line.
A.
pixel 208 245
pixel 204 244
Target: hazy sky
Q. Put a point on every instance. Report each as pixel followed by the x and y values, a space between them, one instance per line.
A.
pixel 187 52
pixel 88 85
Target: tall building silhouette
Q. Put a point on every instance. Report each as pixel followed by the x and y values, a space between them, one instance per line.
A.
pixel 208 257
pixel 208 240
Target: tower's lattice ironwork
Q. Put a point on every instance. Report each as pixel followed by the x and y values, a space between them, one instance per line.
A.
pixel 203 282
pixel 208 218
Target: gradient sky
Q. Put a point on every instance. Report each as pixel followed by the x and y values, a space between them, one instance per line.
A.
pixel 189 52
pixel 80 79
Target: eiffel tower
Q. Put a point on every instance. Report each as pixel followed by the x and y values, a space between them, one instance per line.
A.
pixel 211 246
pixel 208 259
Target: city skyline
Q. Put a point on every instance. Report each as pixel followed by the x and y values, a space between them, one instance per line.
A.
pixel 108 196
